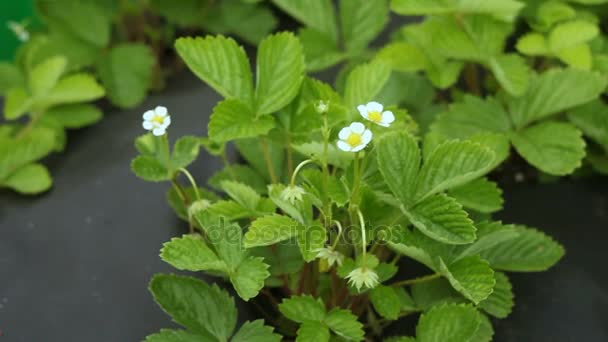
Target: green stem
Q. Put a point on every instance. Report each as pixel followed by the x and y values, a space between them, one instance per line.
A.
pixel 340 230
pixel 363 238
pixel 267 158
pixel 298 168
pixel 35 118
pixel 192 181
pixel 417 280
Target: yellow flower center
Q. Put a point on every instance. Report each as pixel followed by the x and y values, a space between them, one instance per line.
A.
pixel 159 119
pixel 354 140
pixel 375 116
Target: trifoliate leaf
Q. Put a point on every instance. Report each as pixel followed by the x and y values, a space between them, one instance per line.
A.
pixel 362 21
pixel 126 73
pixel 386 301
pixel 365 82
pixel 312 331
pixel 268 230
pixel 592 119
pixel 481 195
pixel 191 253
pixel 345 324
pixel 75 115
pixel 233 119
pixel 226 237
pixel 303 308
pixel 471 276
pixel 472 116
pixel 533 44
pixel 500 303
pixel 150 169
pixel 168 335
pixel 280 72
pixel 44 76
pixel 554 147
pixel 256 331
pixel 315 14
pixel 450 322
pixel 571 33
pixel 489 234
pixel 451 164
pixel 17 153
pixel 249 277
pixel 67 16
pixel 17 103
pixel 242 194
pixel 195 305
pixel 398 160
pixel 442 218
pixel 30 179
pixel 554 91
pixel 512 73
pixel 221 63
pixel 531 251
pixel 74 88
pixel 185 151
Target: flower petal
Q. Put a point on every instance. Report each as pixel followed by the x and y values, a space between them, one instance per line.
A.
pixel 345 133
pixel 357 127
pixel 160 110
pixel 388 117
pixel 344 146
pixel 367 136
pixel 358 148
pixel 158 131
pixel 166 122
pixel 375 107
pixel 148 115
pixel 148 125
pixel 363 111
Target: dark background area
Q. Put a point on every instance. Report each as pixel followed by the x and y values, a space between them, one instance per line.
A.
pixel 75 262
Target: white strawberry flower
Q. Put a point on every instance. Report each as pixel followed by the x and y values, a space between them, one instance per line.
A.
pixel 157 120
pixel 363 276
pixel 292 194
pixel 354 138
pixel 331 255
pixel 375 113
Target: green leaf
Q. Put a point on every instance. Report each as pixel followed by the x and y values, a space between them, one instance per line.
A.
pixel 399 160
pixel 194 304
pixel 185 151
pixel 16 104
pixel 310 239
pixel 73 89
pixel 150 169
pixel 434 293
pixel 451 322
pixel 451 164
pixel 167 335
pixel 531 251
pixel 44 76
pixel 189 13
pixel 571 33
pixel 471 276
pixel 10 77
pixel 75 115
pixel 312 331
pixel 126 73
pixel 221 63
pixel 533 44
pixel 303 308
pixel 592 119
pixel 67 16
pixel 241 173
pixel 15 154
pixel 256 331
pixel 233 119
pixel 242 194
pixel 31 179
pixel 485 332
pixel 501 9
pixel 301 211
pixel 249 277
pixel 250 22
pixel 480 194
pixel 335 156
pixel 489 234
pixel 554 147
pixel 402 56
pixel 554 91
pixel 442 218
pixel 344 324
pixel 315 14
pixel 512 73
pixel 191 253
pixel 280 72
pixel 362 21
pixel 500 303
pixel 320 50
pixel 386 301
pixel 271 229
pixel 365 82
pixel 549 13
pixel 577 56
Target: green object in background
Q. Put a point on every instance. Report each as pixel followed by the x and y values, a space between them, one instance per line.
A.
pixel 18 11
